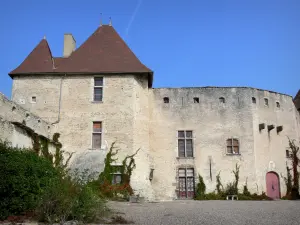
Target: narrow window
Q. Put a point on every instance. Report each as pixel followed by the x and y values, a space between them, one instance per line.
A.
pixel 166 100
pixel 253 100
pixel 196 100
pixel 288 153
pixel 278 105
pixel 97 133
pixel 186 183
pixel 266 102
pixel 233 146
pixel 33 99
pixel 222 100
pixel 185 144
pixel 98 89
pixel 116 175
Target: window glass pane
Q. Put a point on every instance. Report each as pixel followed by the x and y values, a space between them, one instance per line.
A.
pixel 97 141
pixel 181 148
pixel 181 134
pixel 98 81
pixel 235 149
pixel 189 134
pixel 97 127
pixel 181 172
pixel 97 94
pixel 190 172
pixel 118 178
pixel 235 142
pixel 229 142
pixel 229 150
pixel 189 148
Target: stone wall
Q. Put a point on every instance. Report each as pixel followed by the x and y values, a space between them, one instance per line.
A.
pixel 15 120
pixel 212 122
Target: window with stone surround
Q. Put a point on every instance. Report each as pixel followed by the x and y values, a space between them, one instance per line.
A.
pixel 186 183
pixel 98 89
pixel 97 135
pixel 233 147
pixel 185 143
pixel 116 175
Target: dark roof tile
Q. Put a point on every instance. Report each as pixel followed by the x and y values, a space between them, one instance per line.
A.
pixel 38 61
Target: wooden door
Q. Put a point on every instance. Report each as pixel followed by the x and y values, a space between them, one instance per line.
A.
pixel 273 187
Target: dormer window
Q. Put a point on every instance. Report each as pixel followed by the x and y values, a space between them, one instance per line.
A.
pixel 166 100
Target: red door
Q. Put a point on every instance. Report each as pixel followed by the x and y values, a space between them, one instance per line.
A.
pixel 273 188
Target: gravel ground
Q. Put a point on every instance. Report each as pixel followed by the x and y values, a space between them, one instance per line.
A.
pixel 211 212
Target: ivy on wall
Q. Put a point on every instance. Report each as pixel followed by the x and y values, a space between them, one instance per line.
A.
pixel 123 189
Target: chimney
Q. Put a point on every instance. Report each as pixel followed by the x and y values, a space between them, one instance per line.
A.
pixel 69 45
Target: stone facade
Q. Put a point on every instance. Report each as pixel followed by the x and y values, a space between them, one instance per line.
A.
pixel 136 117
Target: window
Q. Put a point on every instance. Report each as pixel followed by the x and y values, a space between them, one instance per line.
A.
pixel 116 175
pixel 98 89
pixel 166 100
pixel 222 100
pixel 33 99
pixel 266 102
pixel 288 154
pixel 186 183
pixel 185 143
pixel 233 146
pixel 97 133
pixel 278 105
pixel 253 100
pixel 196 100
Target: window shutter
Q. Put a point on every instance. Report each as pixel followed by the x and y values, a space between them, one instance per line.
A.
pixel 97 126
pixel 97 140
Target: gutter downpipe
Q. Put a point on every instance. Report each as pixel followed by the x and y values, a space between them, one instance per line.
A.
pixel 59 103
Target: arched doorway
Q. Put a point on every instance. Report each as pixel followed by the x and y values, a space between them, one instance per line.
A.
pixel 273 186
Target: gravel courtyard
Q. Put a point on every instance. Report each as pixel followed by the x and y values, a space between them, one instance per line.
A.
pixel 211 212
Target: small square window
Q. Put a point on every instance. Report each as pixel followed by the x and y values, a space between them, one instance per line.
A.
pixel 222 100
pixel 166 100
pixel 196 100
pixel 278 105
pixel 33 99
pixel 266 102
pixel 253 100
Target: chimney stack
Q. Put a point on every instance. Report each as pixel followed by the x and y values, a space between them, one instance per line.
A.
pixel 69 45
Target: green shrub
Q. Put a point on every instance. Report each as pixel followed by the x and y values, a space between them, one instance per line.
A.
pixel 200 189
pixel 24 176
pixel 231 189
pixel 70 198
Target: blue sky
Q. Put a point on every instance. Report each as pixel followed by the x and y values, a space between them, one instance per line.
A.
pixel 187 43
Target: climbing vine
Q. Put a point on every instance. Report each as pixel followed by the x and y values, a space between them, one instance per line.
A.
pixel 219 185
pixel 122 189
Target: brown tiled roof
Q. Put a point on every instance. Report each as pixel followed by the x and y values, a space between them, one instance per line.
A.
pixel 39 60
pixel 103 52
pixel 58 61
